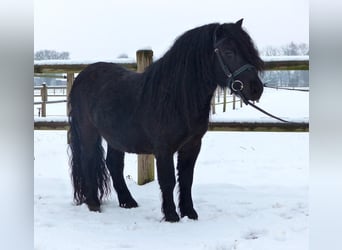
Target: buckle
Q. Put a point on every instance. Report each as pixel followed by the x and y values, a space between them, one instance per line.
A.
pixel 237 85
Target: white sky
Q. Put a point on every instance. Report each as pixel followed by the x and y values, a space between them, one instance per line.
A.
pixel 103 29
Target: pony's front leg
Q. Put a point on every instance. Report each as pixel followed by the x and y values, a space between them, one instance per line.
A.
pixel 187 156
pixel 167 182
pixel 115 164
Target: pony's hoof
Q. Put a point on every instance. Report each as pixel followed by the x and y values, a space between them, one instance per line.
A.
pixel 172 217
pixel 94 208
pixel 129 204
pixel 192 214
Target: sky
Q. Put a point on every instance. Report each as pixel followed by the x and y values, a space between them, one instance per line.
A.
pixel 104 29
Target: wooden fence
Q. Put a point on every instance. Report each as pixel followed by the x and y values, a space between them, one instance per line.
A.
pixel 44 93
pixel 144 58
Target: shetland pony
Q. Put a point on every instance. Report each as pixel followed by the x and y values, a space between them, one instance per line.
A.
pixel 161 111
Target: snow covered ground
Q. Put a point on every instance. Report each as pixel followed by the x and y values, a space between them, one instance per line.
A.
pixel 250 191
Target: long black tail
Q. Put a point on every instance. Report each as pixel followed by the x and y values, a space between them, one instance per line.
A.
pixel 90 177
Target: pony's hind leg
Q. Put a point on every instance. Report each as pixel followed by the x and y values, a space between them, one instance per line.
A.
pixel 187 156
pixel 115 164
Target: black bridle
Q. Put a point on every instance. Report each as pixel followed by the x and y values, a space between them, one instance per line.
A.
pixel 236 86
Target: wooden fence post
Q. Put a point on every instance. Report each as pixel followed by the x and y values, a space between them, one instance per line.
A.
pixel 145 162
pixel 70 81
pixel 44 94
pixel 213 109
pixel 234 100
pixel 224 99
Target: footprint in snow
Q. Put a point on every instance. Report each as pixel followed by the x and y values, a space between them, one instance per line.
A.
pixel 254 234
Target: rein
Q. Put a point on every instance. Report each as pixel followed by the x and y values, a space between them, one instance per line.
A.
pixel 236 86
pixel 258 108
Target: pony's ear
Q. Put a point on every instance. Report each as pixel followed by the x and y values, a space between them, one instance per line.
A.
pixel 218 34
pixel 239 23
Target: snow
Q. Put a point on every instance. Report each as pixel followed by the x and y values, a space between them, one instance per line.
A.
pixel 250 191
pixel 290 105
pixel 145 48
pixel 86 62
pixel 284 58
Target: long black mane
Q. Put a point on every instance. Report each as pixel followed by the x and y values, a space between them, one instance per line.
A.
pixel 181 79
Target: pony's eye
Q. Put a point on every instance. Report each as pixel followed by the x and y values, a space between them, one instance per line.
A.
pixel 229 53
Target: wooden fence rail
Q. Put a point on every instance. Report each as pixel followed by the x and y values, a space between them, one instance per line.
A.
pixel 144 58
pixel 51 90
pixel 68 66
pixel 213 126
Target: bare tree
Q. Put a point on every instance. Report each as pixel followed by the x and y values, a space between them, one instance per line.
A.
pixel 270 51
pixel 290 49
pixel 51 55
pixel 123 55
pixel 303 49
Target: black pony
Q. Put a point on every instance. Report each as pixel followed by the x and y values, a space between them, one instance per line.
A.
pixel 161 111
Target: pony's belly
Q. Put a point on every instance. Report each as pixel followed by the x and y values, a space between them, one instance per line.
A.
pixel 129 143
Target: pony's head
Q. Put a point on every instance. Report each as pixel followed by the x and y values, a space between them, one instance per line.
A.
pixel 237 61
